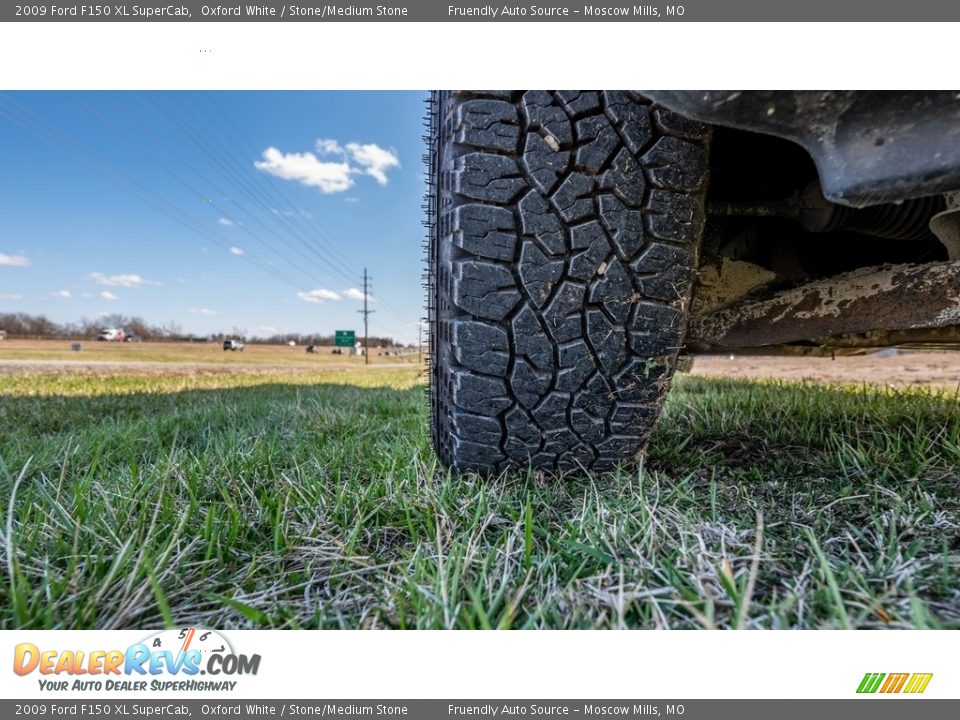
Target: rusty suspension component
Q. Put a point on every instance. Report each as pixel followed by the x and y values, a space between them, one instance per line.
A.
pixel 892 297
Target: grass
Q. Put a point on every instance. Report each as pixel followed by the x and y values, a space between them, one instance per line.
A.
pixel 314 501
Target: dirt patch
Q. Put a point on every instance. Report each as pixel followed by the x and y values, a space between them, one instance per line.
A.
pixel 888 368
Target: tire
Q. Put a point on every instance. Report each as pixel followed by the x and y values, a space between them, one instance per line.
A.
pixel 563 235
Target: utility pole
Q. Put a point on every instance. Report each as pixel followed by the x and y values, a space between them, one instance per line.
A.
pixel 366 317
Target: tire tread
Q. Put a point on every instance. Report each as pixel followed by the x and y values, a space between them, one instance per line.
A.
pixel 563 233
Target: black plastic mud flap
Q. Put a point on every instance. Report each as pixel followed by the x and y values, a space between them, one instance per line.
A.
pixel 870 147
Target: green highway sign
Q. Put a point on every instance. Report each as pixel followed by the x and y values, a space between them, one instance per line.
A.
pixel 345 338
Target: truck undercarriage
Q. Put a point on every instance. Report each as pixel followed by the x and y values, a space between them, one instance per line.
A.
pixel 833 220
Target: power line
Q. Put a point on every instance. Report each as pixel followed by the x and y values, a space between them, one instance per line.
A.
pixel 235 136
pixel 281 197
pixel 234 172
pixel 37 126
pixel 279 190
pixel 295 223
pixel 189 186
pixel 244 185
pixel 233 202
pixel 29 121
pixel 257 195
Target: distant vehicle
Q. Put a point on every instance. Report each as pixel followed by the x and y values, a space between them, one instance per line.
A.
pixel 312 348
pixel 133 338
pixel 233 345
pixel 292 343
pixel 3 334
pixel 111 335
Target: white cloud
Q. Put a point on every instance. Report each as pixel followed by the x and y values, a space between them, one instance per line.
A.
pixel 318 295
pixel 326 146
pixel 305 168
pixel 107 295
pixel 14 260
pixel 355 294
pixel 11 296
pixel 65 294
pixel 373 159
pixel 227 222
pixel 131 280
pixel 234 250
pixel 351 200
pixel 203 311
pixel 330 176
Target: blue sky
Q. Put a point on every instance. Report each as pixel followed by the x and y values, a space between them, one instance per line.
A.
pixel 220 210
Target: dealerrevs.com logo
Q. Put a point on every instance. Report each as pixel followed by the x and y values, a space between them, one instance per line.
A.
pixel 169 660
pixel 891 683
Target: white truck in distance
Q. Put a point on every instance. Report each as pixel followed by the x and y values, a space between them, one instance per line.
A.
pixel 111 335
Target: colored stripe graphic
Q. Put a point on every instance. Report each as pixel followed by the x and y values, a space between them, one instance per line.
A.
pixel 894 683
pixel 870 682
pixel 918 682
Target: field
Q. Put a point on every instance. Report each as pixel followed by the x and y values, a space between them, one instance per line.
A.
pixel 152 357
pixel 308 496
